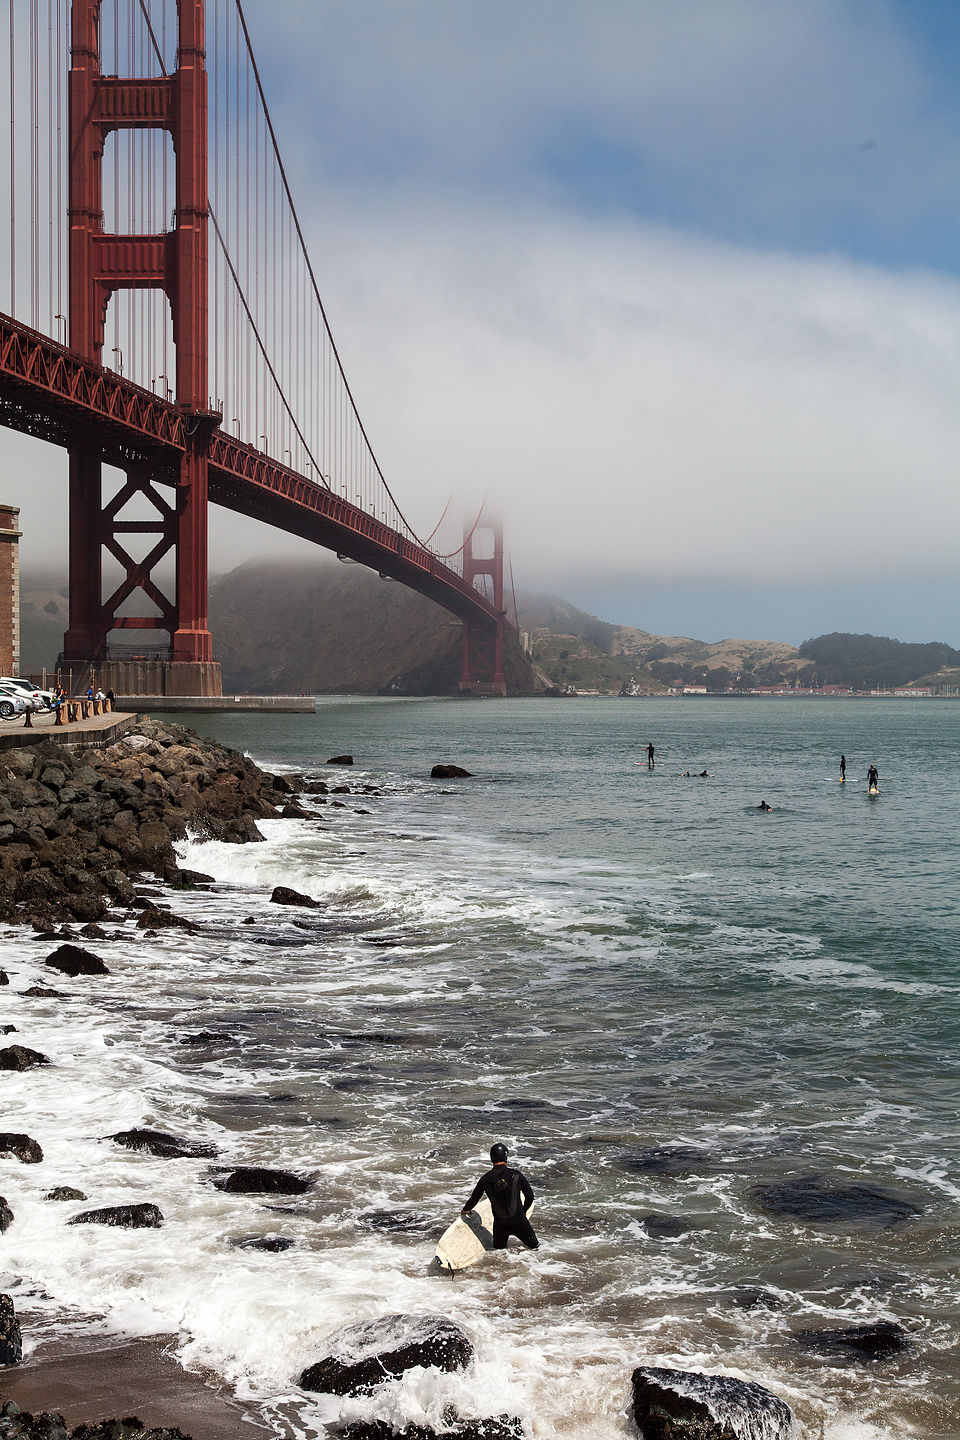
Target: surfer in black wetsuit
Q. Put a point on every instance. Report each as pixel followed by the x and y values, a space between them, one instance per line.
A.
pixel 843 767
pixel 510 1195
pixel 764 806
pixel 650 760
pixel 873 778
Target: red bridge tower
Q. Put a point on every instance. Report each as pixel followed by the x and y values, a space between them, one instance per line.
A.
pixel 482 672
pixel 176 263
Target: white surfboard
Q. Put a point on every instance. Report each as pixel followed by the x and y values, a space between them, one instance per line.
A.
pixel 468 1239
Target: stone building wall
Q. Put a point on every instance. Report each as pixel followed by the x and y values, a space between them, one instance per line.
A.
pixel 9 590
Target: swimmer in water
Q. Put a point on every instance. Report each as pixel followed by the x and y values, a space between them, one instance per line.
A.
pixel 764 806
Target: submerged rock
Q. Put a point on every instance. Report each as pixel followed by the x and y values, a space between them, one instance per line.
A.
pixel 340 760
pixel 164 1146
pixel 20 1057
pixel 144 1216
pixel 666 1227
pixel 857 1344
pixel 44 992
pixel 366 1354
pixel 688 1405
pixel 21 1147
pixel 11 1343
pixel 673 1161
pixel 811 1197
pixel 283 895
pixel 255 1180
pixel 273 1244
pixel 75 960
pixel 754 1297
pixel 64 1192
pixel 450 772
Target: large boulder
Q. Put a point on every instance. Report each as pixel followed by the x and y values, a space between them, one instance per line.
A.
pixel 340 760
pixel 164 1146
pixel 857 1344
pixel 450 772
pixel 75 960
pixel 21 1057
pixel 688 1405
pixel 811 1197
pixel 364 1355
pixel 258 1180
pixel 11 1344
pixel 21 1147
pixel 144 1216
pixel 283 895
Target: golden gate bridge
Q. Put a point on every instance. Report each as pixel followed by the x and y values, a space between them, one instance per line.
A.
pixel 163 324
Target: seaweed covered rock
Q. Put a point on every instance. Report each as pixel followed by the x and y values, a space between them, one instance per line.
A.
pixel 11 1343
pixel 857 1344
pixel 75 960
pixel 364 1355
pixel 163 1145
pixel 688 1405
pixel 144 1216
pixel 258 1180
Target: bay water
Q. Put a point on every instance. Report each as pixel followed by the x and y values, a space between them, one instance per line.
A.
pixel 661 998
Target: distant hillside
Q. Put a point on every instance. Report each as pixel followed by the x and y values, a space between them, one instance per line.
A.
pixel 867 661
pixel 577 649
pixel 324 627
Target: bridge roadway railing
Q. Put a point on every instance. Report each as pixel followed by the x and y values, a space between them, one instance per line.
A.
pixel 50 391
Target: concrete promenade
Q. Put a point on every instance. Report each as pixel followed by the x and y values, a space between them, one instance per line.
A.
pixel 96 732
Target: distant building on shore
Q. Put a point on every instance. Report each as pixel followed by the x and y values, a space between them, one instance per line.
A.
pixel 9 590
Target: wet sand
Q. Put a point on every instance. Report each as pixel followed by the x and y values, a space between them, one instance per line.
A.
pixel 87 1378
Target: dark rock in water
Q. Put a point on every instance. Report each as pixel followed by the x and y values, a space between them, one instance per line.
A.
pixel 294 812
pixel 383 1349
pixel 4 978
pixel 666 1227
pixel 208 1037
pixel 340 760
pixel 673 1161
pixel 283 895
pixel 271 1243
pixel 94 932
pixel 21 1147
pixel 684 1405
pixel 19 1057
pixel 396 1222
pixel 811 1197
pixel 254 1180
pixel 6 1215
pixel 754 1297
pixel 74 960
pixel 520 1102
pixel 164 920
pixel 450 772
pixel 8 1029
pixel 493 1427
pixel 11 1344
pixel 44 992
pixel 857 1344
pixel 164 1146
pixel 64 1192
pixel 144 1216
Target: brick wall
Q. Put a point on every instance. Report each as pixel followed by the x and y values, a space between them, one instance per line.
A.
pixel 9 590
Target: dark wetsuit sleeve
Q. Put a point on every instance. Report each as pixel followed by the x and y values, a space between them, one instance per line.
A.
pixel 526 1192
pixel 475 1197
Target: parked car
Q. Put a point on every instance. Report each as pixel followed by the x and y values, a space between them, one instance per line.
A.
pixel 12 703
pixel 41 699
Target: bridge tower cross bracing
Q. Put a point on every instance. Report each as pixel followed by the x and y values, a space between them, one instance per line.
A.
pixel 175 262
pixel 482 671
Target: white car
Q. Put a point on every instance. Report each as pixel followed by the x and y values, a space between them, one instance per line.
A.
pixel 11 703
pixel 38 699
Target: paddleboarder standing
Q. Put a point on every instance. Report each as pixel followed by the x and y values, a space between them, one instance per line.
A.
pixel 511 1195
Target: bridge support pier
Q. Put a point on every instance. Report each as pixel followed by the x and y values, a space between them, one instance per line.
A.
pixel 482 671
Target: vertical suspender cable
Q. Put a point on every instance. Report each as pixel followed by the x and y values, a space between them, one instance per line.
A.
pixel 13 166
